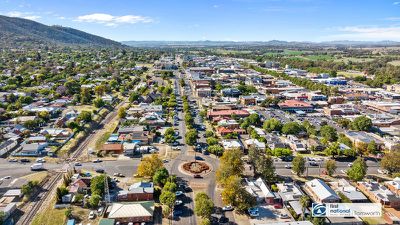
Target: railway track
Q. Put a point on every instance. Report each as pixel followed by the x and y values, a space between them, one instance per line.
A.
pixel 39 200
pixel 49 186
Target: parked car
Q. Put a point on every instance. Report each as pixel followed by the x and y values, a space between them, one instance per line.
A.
pixel 178 193
pixel 178 202
pixel 97 161
pixel 227 208
pixel 382 171
pixel 24 160
pixel 288 166
pixel 197 176
pixel 40 160
pixel 78 164
pixel 284 216
pixel 350 164
pixel 99 170
pixel 253 212
pixel 13 160
pixel 92 215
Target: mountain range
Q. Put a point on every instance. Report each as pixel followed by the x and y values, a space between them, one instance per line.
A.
pixel 15 32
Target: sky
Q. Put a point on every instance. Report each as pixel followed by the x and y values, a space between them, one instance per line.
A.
pixel 218 20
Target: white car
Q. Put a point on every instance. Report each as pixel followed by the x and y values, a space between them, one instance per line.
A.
pixel 350 164
pixel 382 171
pixel 343 171
pixel 288 166
pixel 284 216
pixel 7 177
pixel 178 202
pixel 227 208
pixel 92 215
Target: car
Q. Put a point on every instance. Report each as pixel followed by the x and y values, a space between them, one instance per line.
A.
pixel 118 175
pixel 99 170
pixel 177 213
pixel 165 161
pixel 175 148
pixel 253 212
pixel 313 163
pixel 178 193
pixel 24 160
pixel 175 143
pixel 13 160
pixel 7 177
pixel 78 164
pixel 382 171
pixel 197 176
pixel 343 171
pixel 97 161
pixel 178 202
pixel 227 208
pixel 100 210
pixel 92 215
pixel 198 158
pixel 288 166
pixel 283 216
pixel 350 164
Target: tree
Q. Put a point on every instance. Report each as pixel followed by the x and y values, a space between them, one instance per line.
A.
pixel 160 177
pixel 330 167
pixel 122 112
pixel 209 133
pixel 362 123
pixel 85 95
pixel 99 90
pixel 44 115
pixel 215 149
pixel 67 213
pixel 231 164
pixel 333 150
pixel 211 141
pixel 98 102
pixel 168 198
pixel 281 152
pixel 169 135
pixel 236 195
pixel 203 205
pixel 372 147
pixel 265 167
pixel 191 137
pixel 272 125
pixel 97 184
pixel 358 170
pixel 149 165
pixel 85 116
pixel 94 200
pixel 170 186
pixel 253 119
pixel 292 128
pixel 304 202
pixel 391 162
pixel 329 133
pixel 299 165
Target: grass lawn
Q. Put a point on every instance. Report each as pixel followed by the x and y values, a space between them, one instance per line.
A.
pixel 50 216
pixel 349 74
pixel 319 57
pixel 81 108
pixel 38 176
pixel 358 60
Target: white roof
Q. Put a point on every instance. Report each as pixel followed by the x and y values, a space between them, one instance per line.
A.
pixel 128 210
pixel 321 189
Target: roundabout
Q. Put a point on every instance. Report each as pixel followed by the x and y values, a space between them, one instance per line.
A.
pixel 195 168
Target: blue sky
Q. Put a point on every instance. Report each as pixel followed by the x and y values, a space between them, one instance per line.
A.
pixel 224 20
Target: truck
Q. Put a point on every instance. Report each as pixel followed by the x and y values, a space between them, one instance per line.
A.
pixel 37 166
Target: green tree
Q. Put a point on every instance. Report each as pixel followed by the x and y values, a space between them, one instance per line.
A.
pixel 333 150
pixel 358 170
pixel 391 162
pixel 98 102
pixel 272 125
pixel 86 96
pixel 280 152
pixel 330 167
pixel 299 165
pixel 160 177
pixel 167 198
pixel 99 90
pixel 203 205
pixel 372 147
pixel 122 112
pixel 170 186
pixel 329 133
pixel 236 195
pixel 211 141
pixel 94 200
pixel 362 123
pixel 209 133
pixel 191 137
pixel 304 202
pixel 97 184
pixel 85 116
pixel 216 150
pixel 292 128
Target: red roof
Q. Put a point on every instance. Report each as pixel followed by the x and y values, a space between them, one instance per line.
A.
pixel 228 113
pixel 294 104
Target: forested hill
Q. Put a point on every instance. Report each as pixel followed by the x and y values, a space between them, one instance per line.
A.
pixel 16 32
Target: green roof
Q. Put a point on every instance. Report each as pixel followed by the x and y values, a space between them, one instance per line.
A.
pixel 105 221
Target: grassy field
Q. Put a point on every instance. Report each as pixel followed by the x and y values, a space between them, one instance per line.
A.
pixel 319 57
pixel 349 74
pixel 81 108
pixel 353 59
pixel 50 216
pixel 39 176
pixel 395 63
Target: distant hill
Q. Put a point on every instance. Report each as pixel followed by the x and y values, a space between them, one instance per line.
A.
pixel 22 32
pixel 272 43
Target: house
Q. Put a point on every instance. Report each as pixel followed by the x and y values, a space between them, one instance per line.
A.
pixel 289 192
pixel 248 100
pixel 57 133
pixel 232 144
pixel 254 143
pixel 81 186
pixel 203 92
pixel 107 98
pixel 22 119
pixel 349 191
pixel 112 148
pixel 135 134
pixel 140 191
pixel 261 192
pixel 379 194
pixel 224 131
pixel 295 105
pixel 152 119
pixel 320 192
pixel 130 212
pixel 230 92
pixel 230 124
pixel 34 149
pixel 228 113
pixel 296 144
pixel 362 137
pixel 394 185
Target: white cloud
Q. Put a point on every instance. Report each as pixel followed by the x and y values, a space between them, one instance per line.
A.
pixel 25 15
pixel 396 3
pixel 366 33
pixel 110 20
pixel 393 18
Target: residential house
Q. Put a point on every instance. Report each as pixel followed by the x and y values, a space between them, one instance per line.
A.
pixel 225 131
pixel 130 212
pixel 394 185
pixel 349 191
pixel 295 105
pixel 80 186
pixel 228 114
pixel 112 148
pixel 379 194
pixel 232 144
pixel 140 191
pixel 254 143
pixel 261 192
pixel 248 100
pixel 320 192
pixel 34 149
